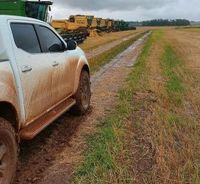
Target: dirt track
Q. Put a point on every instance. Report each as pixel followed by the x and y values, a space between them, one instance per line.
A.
pixel 103 48
pixel 51 157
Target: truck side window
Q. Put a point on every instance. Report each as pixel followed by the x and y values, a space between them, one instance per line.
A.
pixel 25 37
pixel 49 39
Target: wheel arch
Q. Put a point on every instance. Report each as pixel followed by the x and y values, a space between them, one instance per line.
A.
pixel 83 66
pixel 86 68
pixel 8 112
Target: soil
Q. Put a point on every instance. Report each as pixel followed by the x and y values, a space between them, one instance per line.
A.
pixel 52 156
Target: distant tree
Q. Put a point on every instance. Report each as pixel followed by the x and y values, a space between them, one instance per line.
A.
pixel 166 22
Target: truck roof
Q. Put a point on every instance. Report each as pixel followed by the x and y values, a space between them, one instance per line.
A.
pixel 9 17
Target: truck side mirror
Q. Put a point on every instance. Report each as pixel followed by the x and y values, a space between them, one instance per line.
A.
pixel 71 45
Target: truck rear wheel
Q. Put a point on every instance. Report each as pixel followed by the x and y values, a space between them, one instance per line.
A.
pixel 8 152
pixel 83 95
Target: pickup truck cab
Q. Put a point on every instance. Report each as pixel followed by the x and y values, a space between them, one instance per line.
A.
pixel 41 77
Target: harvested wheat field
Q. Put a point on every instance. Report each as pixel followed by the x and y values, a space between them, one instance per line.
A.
pixel 100 92
pixel 153 134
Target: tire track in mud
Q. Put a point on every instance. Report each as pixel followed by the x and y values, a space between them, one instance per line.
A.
pixel 103 48
pixel 51 157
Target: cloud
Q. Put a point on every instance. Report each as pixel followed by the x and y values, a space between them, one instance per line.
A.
pixel 129 9
pixel 113 5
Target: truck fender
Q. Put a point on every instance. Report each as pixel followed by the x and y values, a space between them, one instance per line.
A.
pixel 8 95
pixel 81 65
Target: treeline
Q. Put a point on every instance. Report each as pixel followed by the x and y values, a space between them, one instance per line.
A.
pixel 166 22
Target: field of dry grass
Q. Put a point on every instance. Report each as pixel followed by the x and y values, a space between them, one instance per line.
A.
pixel 190 29
pixel 157 122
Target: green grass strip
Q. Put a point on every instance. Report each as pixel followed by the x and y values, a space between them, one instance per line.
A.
pixel 101 164
pixel 174 85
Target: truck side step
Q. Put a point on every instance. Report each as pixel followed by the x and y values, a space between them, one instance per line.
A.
pixel 40 124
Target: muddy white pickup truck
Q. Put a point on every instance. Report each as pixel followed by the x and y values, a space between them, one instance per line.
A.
pixel 41 77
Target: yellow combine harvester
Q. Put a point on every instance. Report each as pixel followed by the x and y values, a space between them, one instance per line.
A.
pixel 101 24
pixel 109 25
pixel 104 25
pixel 92 25
pixel 77 27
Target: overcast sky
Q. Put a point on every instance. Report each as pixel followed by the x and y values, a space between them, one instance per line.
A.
pixel 132 10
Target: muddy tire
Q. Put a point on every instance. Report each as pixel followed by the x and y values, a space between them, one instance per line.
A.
pixel 8 152
pixel 83 95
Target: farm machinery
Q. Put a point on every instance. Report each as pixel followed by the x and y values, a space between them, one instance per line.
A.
pixel 76 27
pixel 34 9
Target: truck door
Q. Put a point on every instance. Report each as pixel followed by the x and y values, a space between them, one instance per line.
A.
pixel 35 70
pixel 62 62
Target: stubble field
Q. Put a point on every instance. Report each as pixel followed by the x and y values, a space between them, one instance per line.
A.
pixel 153 134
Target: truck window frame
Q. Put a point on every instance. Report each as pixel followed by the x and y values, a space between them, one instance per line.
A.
pixel 34 28
pixel 41 38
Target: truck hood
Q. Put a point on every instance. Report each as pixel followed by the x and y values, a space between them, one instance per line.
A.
pixel 80 51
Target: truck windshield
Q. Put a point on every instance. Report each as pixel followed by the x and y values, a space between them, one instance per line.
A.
pixel 36 10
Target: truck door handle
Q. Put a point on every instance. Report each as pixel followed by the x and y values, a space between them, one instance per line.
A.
pixel 55 63
pixel 26 68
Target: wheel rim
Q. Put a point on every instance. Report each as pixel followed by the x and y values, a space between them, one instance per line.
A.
pixel 85 93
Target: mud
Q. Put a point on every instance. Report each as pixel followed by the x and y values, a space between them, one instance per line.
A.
pixel 52 156
pixel 104 48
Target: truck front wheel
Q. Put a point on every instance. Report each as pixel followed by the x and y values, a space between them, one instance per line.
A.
pixel 8 152
pixel 83 95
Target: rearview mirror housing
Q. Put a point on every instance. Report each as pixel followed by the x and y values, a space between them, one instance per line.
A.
pixel 71 45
